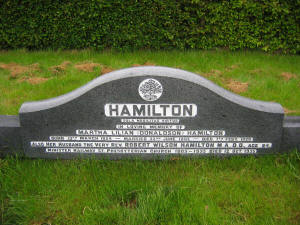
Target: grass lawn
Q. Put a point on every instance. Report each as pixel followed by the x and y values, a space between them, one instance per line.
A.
pixel 236 190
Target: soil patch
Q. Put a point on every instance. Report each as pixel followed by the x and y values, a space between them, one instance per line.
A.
pixel 106 70
pixel 16 70
pixel 33 80
pixel 87 67
pixel 59 68
pixel 236 86
pixel 37 80
pixel 287 76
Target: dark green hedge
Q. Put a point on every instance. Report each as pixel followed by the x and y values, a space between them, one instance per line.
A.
pixel 270 25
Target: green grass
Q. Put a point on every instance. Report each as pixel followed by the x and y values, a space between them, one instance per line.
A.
pixel 251 190
pixel 261 71
pixel 236 190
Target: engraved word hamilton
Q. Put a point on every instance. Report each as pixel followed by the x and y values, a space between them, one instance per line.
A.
pixel 151 136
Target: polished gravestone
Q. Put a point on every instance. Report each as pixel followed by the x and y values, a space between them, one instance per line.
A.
pixel 148 112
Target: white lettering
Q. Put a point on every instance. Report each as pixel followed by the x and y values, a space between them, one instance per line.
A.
pixel 150 110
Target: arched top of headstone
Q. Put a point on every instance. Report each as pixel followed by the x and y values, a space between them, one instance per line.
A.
pixel 152 71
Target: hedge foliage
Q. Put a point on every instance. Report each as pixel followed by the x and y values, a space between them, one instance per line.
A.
pixel 270 25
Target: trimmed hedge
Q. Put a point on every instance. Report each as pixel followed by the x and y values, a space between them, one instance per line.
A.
pixel 270 25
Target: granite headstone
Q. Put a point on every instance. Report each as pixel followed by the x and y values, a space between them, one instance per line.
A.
pixel 149 112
